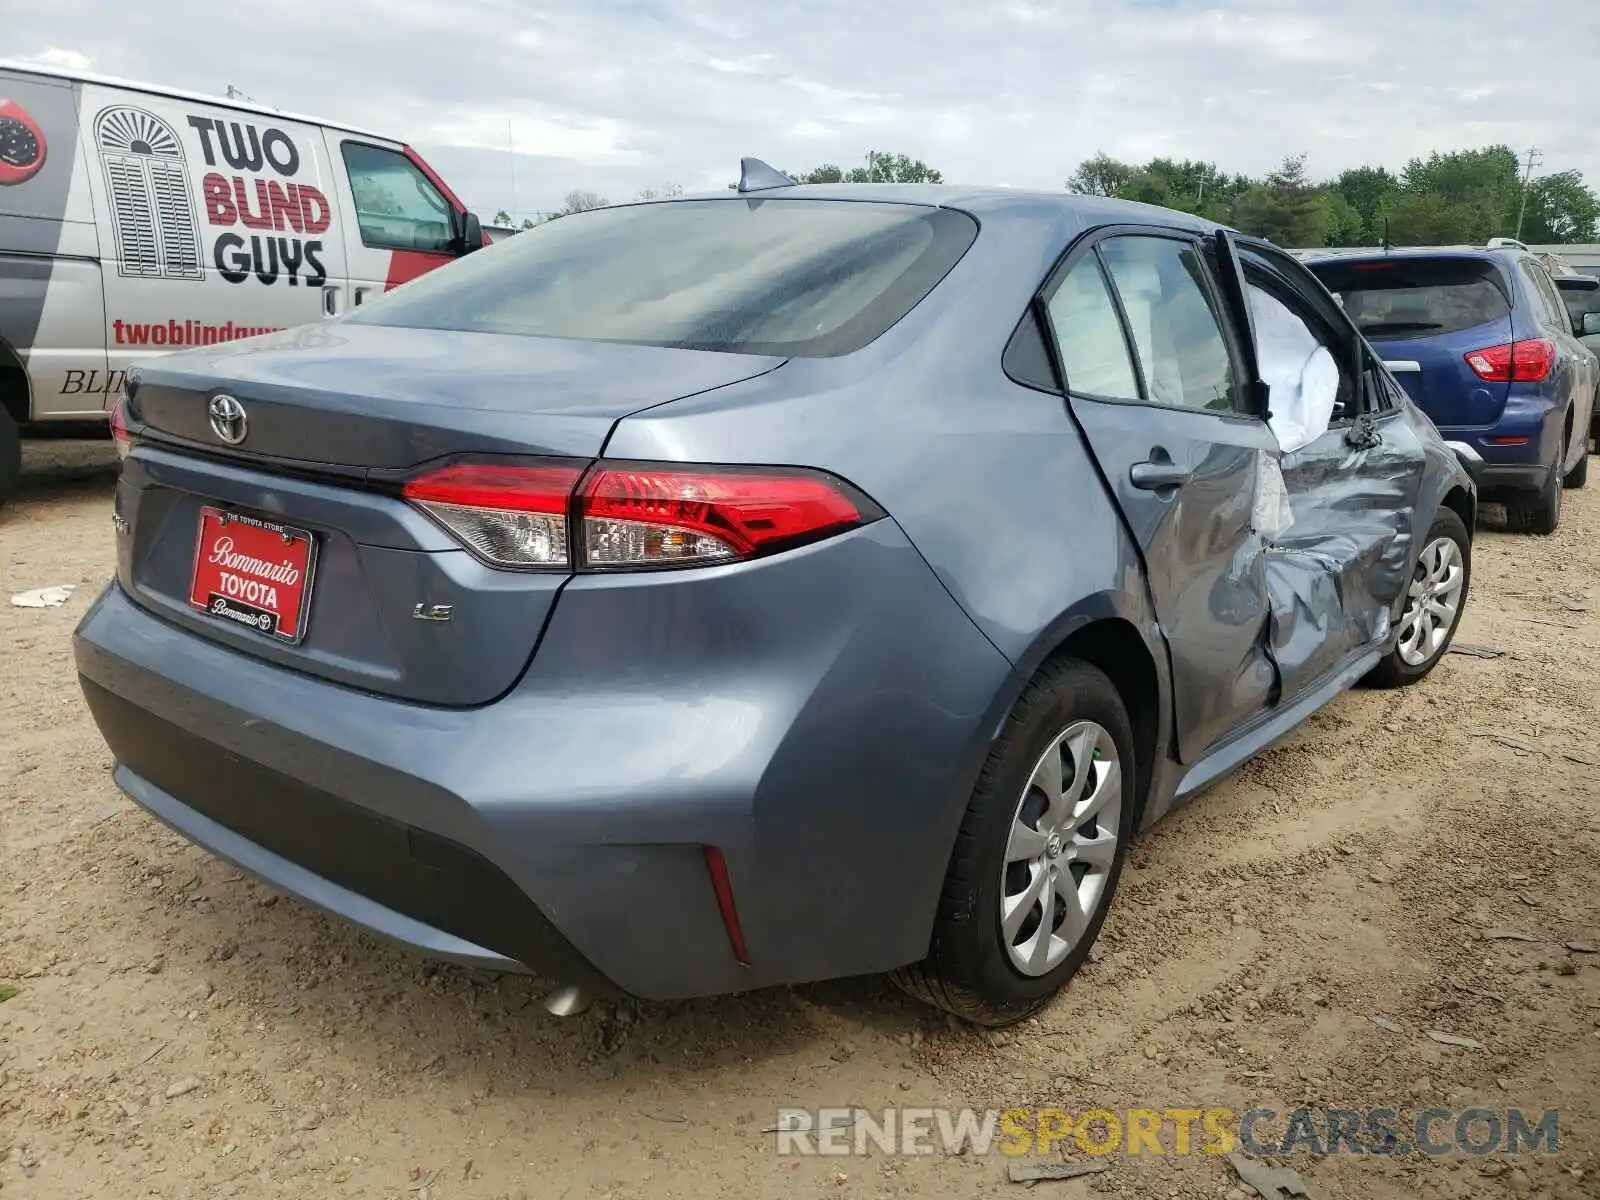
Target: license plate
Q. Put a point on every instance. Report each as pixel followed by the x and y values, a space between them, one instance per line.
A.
pixel 253 572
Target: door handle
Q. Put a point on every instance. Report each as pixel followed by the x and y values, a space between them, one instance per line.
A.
pixel 1157 474
pixel 361 295
pixel 330 300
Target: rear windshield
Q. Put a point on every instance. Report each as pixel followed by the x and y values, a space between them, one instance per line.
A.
pixel 1416 297
pixel 808 278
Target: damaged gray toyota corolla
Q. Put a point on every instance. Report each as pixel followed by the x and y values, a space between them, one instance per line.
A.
pixel 695 596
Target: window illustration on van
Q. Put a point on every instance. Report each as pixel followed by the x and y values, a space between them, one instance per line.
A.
pixel 152 212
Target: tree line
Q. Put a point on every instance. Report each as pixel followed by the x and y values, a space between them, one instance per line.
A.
pixel 1462 197
pixel 881 166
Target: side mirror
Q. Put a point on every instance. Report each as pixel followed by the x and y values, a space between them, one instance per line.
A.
pixel 471 235
pixel 1589 324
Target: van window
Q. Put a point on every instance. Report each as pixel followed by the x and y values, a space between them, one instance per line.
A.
pixel 396 206
pixel 812 278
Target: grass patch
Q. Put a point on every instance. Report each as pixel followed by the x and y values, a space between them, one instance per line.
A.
pixel 7 992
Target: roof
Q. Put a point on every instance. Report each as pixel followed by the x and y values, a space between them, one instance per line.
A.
pixel 178 94
pixel 1410 252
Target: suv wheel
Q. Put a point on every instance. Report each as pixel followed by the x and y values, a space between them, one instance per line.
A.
pixel 1540 513
pixel 1039 852
pixel 1435 600
pixel 1579 475
pixel 10 456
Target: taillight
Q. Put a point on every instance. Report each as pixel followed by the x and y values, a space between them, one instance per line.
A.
pixel 634 515
pixel 510 516
pixel 1527 361
pixel 120 432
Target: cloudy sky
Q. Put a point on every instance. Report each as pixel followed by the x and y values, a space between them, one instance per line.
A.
pixel 517 102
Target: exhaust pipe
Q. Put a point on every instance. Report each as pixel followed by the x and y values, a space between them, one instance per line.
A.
pixel 567 1001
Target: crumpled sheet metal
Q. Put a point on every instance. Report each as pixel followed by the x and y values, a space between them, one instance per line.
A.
pixel 1333 575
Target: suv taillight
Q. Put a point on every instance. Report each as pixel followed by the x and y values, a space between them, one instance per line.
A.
pixel 1527 361
pixel 621 515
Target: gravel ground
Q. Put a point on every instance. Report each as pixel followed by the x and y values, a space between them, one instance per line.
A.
pixel 172 1029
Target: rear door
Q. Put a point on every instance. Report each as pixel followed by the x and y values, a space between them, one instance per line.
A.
pixel 400 222
pixel 1572 377
pixel 1160 392
pixel 1425 316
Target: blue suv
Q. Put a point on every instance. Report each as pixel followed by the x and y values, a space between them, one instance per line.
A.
pixel 1483 342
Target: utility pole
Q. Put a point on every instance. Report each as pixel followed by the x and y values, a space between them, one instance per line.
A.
pixel 511 157
pixel 1535 157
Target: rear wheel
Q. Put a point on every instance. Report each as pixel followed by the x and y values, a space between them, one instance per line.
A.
pixel 10 456
pixel 1039 852
pixel 1579 475
pixel 1541 512
pixel 1435 600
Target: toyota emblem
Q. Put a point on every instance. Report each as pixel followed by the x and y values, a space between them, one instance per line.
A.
pixel 228 420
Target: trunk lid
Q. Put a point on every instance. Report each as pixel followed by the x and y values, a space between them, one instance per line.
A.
pixel 379 398
pixel 335 416
pixel 1434 371
pixel 1423 314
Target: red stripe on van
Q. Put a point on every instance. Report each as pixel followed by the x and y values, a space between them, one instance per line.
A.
pixel 406 265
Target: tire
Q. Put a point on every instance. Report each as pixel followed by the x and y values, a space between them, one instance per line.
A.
pixel 1397 669
pixel 970 970
pixel 10 456
pixel 1579 475
pixel 1540 515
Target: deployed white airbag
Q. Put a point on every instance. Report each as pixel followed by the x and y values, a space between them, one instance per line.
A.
pixel 1302 376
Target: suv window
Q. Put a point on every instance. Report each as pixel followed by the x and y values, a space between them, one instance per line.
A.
pixel 1089 336
pixel 1545 295
pixel 397 207
pixel 808 278
pixel 1174 323
pixel 1416 297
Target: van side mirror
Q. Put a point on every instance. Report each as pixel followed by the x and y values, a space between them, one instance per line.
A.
pixel 471 236
pixel 1589 324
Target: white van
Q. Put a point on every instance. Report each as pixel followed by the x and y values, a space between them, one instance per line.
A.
pixel 135 220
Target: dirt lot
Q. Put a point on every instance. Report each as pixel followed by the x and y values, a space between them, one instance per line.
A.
pixel 1291 938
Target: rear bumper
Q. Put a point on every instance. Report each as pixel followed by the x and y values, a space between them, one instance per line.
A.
pixel 819 717
pixel 1513 477
pixel 392 879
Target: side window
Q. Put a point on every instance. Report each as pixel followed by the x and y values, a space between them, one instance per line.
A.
pixel 1301 364
pixel 1544 294
pixel 1174 323
pixel 1088 335
pixel 396 207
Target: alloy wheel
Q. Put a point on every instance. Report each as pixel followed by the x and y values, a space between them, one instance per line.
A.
pixel 1061 849
pixel 1432 602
